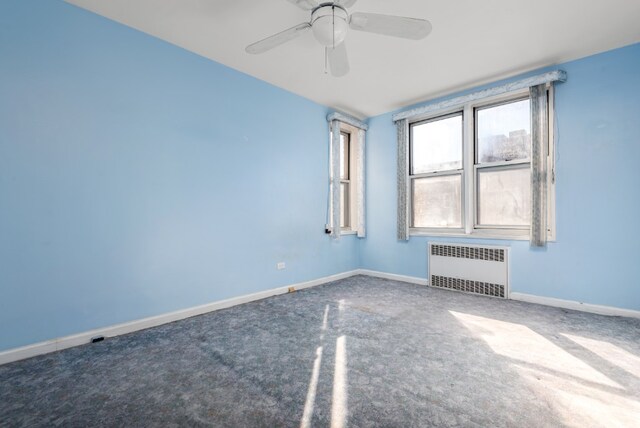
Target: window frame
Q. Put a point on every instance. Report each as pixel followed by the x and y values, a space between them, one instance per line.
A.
pixel 495 166
pixel 469 205
pixel 346 181
pixel 442 173
pixel 352 207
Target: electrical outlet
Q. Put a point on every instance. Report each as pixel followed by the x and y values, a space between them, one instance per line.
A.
pixel 281 266
pixel 96 339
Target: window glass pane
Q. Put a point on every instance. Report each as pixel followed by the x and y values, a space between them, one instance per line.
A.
pixel 504 197
pixel 344 158
pixel 437 201
pixel 504 132
pixel 437 145
pixel 344 205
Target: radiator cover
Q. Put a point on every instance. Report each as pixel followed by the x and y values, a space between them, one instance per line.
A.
pixel 478 269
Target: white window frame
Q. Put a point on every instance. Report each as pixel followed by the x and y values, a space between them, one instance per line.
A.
pixel 352 209
pixel 469 173
pixel 443 173
pixel 347 181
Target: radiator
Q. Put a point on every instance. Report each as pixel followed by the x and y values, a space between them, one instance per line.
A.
pixel 479 269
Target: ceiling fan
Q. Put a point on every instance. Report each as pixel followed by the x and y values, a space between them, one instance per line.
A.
pixel 329 23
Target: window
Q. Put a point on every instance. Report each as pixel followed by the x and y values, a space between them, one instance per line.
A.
pixel 349 179
pixel 345 182
pixel 503 174
pixel 469 170
pixel 436 172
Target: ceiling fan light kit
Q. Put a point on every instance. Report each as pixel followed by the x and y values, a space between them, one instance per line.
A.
pixel 330 23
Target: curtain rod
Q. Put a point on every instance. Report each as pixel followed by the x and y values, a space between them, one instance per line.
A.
pixel 548 77
pixel 347 119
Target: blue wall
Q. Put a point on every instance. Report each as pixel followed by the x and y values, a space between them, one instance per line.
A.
pixel 137 178
pixel 595 258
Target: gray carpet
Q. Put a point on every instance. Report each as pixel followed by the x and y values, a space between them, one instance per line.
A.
pixel 389 354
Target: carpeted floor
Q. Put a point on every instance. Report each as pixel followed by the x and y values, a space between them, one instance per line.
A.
pixel 360 352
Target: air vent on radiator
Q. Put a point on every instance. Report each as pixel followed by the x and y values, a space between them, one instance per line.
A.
pixel 478 253
pixel 477 287
pixel 470 268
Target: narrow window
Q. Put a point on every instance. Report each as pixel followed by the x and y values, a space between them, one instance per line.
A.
pixel 345 180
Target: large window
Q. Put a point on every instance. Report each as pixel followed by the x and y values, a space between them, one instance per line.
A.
pixel 469 170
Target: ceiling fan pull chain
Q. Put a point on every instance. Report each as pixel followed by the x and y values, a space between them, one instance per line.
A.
pixel 333 24
pixel 326 59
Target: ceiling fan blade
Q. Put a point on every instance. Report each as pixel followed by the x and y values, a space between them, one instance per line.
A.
pixel 345 3
pixel 396 26
pixel 338 60
pixel 305 4
pixel 277 39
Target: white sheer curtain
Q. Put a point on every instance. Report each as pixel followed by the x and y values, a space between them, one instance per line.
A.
pixel 403 188
pixel 360 189
pixel 335 179
pixel 539 160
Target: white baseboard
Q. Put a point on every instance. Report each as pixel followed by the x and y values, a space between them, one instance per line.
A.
pixel 578 306
pixel 530 298
pixel 129 327
pixel 393 276
pixel 58 344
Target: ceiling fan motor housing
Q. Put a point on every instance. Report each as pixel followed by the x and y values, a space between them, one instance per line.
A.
pixel 330 24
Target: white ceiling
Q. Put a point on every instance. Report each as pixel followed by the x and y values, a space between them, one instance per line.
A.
pixel 473 42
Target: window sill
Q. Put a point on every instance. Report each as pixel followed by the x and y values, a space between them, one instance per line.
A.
pixel 348 232
pixel 493 235
pixel 473 235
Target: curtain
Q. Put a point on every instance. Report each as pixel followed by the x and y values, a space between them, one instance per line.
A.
pixel 539 159
pixel 403 188
pixel 335 179
pixel 360 221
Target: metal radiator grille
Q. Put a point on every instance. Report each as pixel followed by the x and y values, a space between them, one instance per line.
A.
pixel 477 253
pixel 478 287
